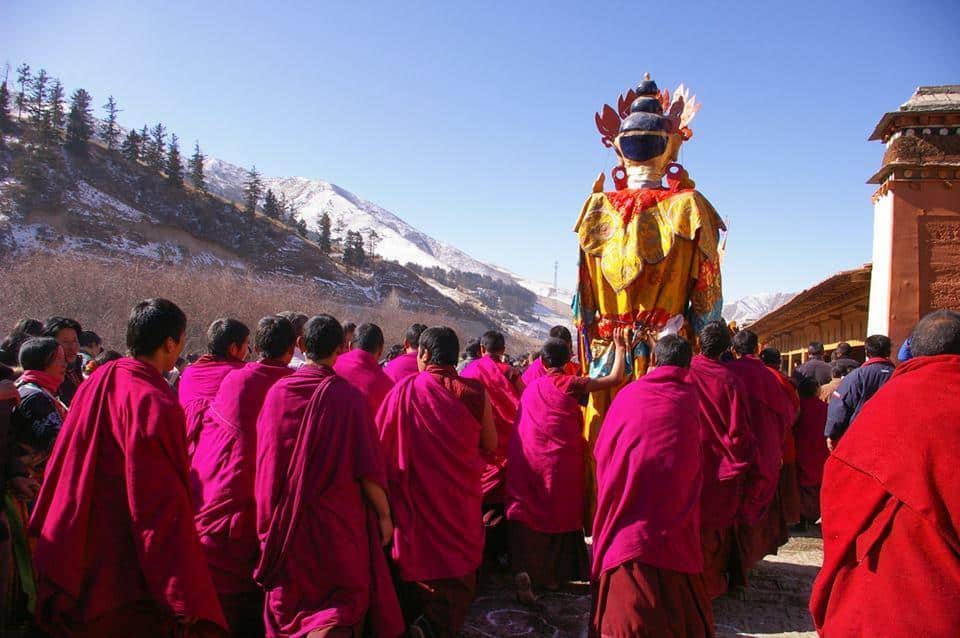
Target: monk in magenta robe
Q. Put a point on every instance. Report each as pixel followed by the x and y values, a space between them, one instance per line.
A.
pixel 728 450
pixel 761 528
pixel 546 472
pixel 647 561
pixel 537 369
pixel 891 502
pixel 322 510
pixel 359 366
pixel 228 341
pixel 812 449
pixel 433 427
pixel 406 364
pixel 223 467
pixel 117 554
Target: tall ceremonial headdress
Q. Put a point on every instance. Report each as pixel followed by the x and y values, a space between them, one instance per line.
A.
pixel 646 131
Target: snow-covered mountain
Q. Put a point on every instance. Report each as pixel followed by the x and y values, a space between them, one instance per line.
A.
pixel 750 308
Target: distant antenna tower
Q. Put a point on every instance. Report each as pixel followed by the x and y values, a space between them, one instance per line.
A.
pixel 556 289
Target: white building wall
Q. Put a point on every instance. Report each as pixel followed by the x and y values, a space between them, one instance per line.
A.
pixel 878 319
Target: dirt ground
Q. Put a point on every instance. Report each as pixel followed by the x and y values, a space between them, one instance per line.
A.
pixel 774 604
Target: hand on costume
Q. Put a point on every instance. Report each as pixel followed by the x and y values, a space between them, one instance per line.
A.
pixel 24 487
pixel 386 530
pixel 620 338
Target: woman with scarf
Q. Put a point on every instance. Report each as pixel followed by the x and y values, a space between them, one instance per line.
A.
pixel 34 425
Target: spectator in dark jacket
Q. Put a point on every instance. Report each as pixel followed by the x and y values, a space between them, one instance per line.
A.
pixel 815 367
pixel 857 388
pixel 843 358
pixel 67 333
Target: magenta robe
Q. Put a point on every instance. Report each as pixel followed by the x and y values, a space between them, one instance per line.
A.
pixel 648 476
pixel 545 459
pixel 321 563
pixel 197 386
pixel 113 522
pixel 402 367
pixel 770 412
pixel 505 401
pixel 222 476
pixel 360 368
pixel 726 440
pixel 431 446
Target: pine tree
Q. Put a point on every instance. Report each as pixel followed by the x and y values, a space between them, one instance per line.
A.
pixel 270 206
pixel 158 148
pixel 109 130
pixel 130 148
pixel 174 166
pixel 79 122
pixel 5 122
pixel 56 116
pixel 195 166
pixel 373 240
pixel 24 79
pixel 38 97
pixel 325 233
pixel 283 208
pixel 353 253
pixel 144 143
pixel 251 191
pixel 301 227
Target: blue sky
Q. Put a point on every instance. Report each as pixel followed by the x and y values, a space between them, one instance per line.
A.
pixel 474 122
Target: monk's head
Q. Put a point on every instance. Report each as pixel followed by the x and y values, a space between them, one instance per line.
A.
pixel 562 332
pixel 555 353
pixel 438 346
pixel 228 339
pixel 298 319
pixel 348 329
pixel 155 333
pixel 937 333
pixel 411 340
pixel 714 339
pixel 493 343
pixel 807 387
pixel 275 339
pixel 322 340
pixel 369 338
pixel 745 343
pixel 672 350
pixel 770 358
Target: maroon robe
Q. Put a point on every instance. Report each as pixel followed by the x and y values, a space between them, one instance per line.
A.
pixel 196 388
pixel 891 511
pixel 321 563
pixel 114 521
pixel 812 453
pixel 360 368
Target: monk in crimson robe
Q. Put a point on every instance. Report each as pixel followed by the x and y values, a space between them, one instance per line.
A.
pixel 117 554
pixel 406 364
pixel 222 476
pixel 322 510
pixel 228 341
pixel 647 560
pixel 359 366
pixel 546 472
pixel 433 426
pixel 788 490
pixel 761 527
pixel 812 449
pixel 537 369
pixel 891 502
pixel 729 452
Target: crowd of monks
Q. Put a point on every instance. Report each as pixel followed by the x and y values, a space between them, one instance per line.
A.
pixel 312 492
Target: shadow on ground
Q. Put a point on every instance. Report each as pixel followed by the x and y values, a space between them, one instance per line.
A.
pixel 773 604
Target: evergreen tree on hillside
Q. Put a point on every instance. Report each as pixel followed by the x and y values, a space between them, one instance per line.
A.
pixel 325 233
pixel 373 240
pixel 195 166
pixel 37 104
pixel 270 206
pixel 24 80
pixel 5 121
pixel 79 122
pixel 353 252
pixel 283 208
pixel 144 143
pixel 301 227
pixel 251 191
pixel 174 165
pixel 109 130
pixel 57 119
pixel 156 154
pixel 130 148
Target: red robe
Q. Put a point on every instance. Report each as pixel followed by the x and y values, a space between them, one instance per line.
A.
pixel 360 368
pixel 402 367
pixel 812 453
pixel 891 511
pixel 222 476
pixel 114 522
pixel 321 563
pixel 505 401
pixel 196 388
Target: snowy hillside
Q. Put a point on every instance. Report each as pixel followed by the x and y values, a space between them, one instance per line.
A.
pixel 748 309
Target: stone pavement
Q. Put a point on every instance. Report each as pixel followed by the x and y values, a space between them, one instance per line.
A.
pixel 774 604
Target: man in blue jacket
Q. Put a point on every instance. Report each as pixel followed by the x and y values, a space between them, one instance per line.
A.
pixel 857 388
